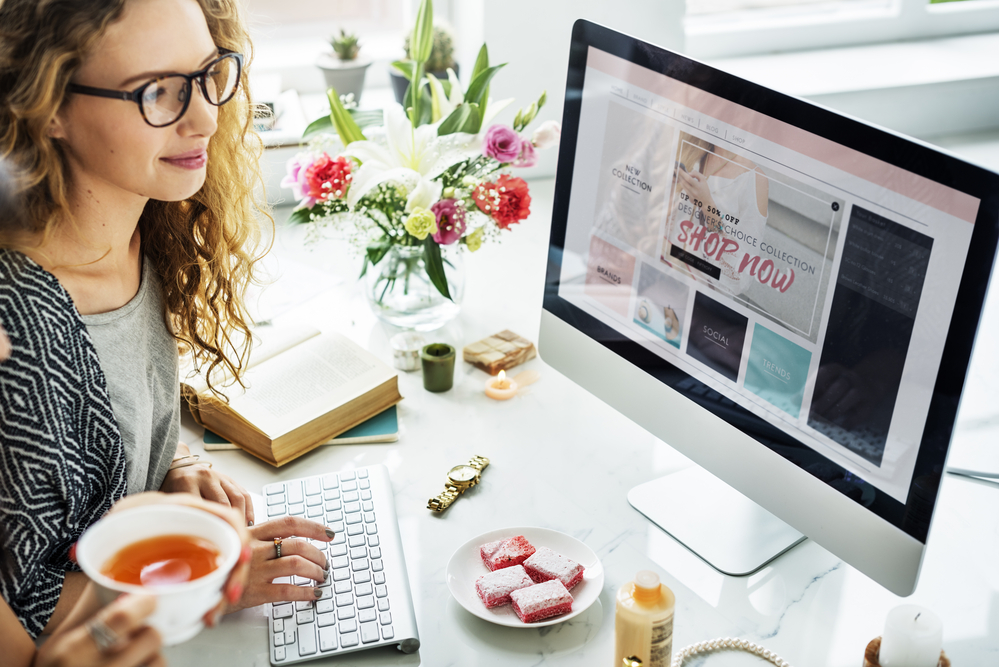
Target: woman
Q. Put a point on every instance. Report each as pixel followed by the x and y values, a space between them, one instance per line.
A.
pixel 129 124
pixel 729 195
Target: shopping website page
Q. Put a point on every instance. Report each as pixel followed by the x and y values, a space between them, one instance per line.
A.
pixel 808 282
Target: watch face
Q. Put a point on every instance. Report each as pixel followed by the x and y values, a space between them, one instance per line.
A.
pixel 462 473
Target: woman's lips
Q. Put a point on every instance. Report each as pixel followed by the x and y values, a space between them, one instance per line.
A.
pixel 196 159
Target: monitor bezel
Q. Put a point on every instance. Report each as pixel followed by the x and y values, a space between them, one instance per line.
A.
pixel 892 148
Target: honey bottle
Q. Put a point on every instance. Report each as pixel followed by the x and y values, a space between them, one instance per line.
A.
pixel 643 622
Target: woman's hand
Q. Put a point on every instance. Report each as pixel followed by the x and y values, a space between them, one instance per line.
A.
pixel 123 622
pixel 696 185
pixel 298 557
pixel 200 480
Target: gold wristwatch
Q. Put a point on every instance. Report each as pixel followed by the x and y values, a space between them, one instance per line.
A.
pixel 459 478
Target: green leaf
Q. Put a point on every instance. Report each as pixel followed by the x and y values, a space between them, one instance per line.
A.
pixel 465 118
pixel 422 41
pixel 300 216
pixel 343 122
pixel 319 125
pixel 481 65
pixel 435 266
pixel 367 117
pixel 477 89
pixel 375 252
pixel 405 67
pixel 411 100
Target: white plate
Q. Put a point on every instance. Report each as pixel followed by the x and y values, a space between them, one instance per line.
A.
pixel 466 566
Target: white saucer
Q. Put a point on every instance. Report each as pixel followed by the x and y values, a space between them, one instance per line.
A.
pixel 466 566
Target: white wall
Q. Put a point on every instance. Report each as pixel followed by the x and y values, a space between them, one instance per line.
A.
pixel 533 37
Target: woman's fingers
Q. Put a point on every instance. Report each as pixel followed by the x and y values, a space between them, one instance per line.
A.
pixel 288 566
pixel 301 548
pixel 127 614
pixel 292 525
pixel 289 593
pixel 141 649
pixel 237 497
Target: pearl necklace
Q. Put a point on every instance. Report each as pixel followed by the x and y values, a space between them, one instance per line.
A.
pixel 728 644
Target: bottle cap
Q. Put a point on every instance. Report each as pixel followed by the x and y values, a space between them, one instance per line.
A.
pixel 646 586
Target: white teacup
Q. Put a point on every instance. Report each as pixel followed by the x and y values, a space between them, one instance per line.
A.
pixel 179 607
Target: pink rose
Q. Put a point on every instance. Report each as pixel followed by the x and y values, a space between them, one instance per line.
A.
pixel 501 143
pixel 296 180
pixel 450 221
pixel 527 157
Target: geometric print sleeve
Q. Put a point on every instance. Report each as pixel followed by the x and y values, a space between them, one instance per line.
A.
pixel 62 463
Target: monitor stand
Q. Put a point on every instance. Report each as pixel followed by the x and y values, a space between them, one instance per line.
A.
pixel 726 529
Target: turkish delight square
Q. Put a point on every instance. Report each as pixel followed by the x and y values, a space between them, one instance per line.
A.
pixel 546 565
pixel 494 588
pixel 541 601
pixel 506 553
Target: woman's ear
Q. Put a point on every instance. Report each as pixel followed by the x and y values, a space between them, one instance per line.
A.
pixel 56 130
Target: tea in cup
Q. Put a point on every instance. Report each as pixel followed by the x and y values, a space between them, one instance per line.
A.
pixel 180 555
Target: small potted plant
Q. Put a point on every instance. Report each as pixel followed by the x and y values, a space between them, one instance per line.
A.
pixel 441 59
pixel 345 72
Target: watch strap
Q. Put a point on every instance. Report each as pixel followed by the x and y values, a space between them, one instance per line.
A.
pixel 442 501
pixel 478 462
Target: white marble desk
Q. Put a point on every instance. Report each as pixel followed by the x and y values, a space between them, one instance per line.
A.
pixel 563 460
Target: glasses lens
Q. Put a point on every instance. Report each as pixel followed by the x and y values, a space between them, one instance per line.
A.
pixel 164 100
pixel 222 80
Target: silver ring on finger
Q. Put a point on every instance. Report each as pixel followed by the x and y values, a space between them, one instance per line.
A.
pixel 277 546
pixel 103 636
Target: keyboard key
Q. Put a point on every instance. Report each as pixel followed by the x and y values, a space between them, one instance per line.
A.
pixel 326 620
pixel 341 574
pixel 348 640
pixel 356 529
pixel 381 591
pixel 313 486
pixel 341 587
pixel 366 615
pixel 348 486
pixel 358 552
pixel 283 611
pixel 289 637
pixel 366 494
pixel 364 589
pixel 371 528
pixel 277 625
pixel 279 653
pixel 355 541
pixel 338 550
pixel 369 632
pixel 351 497
pixel 324 606
pixel 327 639
pixel 365 484
pixel 277 499
pixel 274 489
pixel 367 506
pixel 304 617
pixel 282 580
pixel 301 581
pixel 340 537
pixel 312 501
pixel 376 552
pixel 353 518
pixel 326 591
pixel 302 606
pixel 352 507
pixel 377 565
pixel 344 613
pixel 296 509
pixel 362 577
pixel 385 618
pixel 373 541
pixel 344 600
pixel 387 632
pixel 333 505
pixel 333 515
pixel 383 604
pixel 369 517
pixel 279 639
pixel 362 474
pixel 307 641
pixel 337 527
pixel 361 564
pixel 346 475
pixel 379 577
pixel 313 512
pixel 366 602
pixel 350 625
pixel 295 492
pixel 275 510
pixel 339 561
pixel 330 481
pixel 325 584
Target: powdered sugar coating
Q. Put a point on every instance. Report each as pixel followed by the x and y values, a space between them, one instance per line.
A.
pixel 494 588
pixel 541 601
pixel 546 564
pixel 506 553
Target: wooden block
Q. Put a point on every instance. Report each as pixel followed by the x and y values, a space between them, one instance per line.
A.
pixel 499 352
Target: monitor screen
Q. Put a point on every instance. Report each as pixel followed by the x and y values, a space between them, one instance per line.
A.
pixel 811 280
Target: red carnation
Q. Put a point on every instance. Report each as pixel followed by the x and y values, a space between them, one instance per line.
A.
pixel 507 200
pixel 328 178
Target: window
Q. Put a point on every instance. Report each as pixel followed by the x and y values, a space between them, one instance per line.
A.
pixel 723 28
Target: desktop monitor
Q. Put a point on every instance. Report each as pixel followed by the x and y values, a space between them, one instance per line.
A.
pixel 786 295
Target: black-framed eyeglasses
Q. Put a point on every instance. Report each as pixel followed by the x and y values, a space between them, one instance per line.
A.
pixel 164 101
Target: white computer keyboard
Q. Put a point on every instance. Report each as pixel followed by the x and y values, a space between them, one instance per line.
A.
pixel 366 600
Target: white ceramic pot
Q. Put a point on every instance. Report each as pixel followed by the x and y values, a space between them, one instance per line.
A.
pixel 345 76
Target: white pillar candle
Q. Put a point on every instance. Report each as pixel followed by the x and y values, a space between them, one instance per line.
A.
pixel 913 637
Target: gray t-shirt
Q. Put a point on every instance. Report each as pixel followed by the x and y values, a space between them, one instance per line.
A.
pixel 140 362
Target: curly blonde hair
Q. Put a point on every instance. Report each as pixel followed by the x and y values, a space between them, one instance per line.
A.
pixel 204 247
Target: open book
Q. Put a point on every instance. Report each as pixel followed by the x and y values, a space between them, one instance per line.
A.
pixel 303 388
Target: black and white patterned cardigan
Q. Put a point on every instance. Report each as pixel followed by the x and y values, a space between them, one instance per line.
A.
pixel 62 462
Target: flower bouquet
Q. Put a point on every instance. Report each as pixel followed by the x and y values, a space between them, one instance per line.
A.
pixel 432 181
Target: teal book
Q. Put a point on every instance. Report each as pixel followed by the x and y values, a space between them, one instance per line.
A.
pixel 383 427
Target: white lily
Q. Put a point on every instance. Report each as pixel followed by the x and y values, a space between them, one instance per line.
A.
pixel 411 158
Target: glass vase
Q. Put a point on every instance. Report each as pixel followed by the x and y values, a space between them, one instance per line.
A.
pixel 400 293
